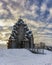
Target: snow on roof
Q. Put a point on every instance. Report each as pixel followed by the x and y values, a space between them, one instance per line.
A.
pixel 25 27
pixel 24 57
pixel 20 21
pixel 12 38
pixel 15 31
pixel 30 35
pixel 29 32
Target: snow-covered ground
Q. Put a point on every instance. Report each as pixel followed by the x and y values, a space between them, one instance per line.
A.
pixel 24 57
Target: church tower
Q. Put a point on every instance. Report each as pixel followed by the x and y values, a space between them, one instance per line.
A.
pixel 21 36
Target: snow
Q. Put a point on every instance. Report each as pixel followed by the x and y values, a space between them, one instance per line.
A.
pixel 24 57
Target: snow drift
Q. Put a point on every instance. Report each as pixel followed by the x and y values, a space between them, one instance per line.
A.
pixel 24 57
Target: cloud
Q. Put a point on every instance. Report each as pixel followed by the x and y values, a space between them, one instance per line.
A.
pixel 50 11
pixel 43 7
pixel 37 13
pixel 49 26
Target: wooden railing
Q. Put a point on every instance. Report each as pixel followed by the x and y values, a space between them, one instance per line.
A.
pixel 38 48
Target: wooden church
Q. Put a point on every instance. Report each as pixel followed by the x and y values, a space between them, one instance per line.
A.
pixel 21 36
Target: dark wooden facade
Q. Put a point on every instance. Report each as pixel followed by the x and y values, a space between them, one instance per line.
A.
pixel 21 36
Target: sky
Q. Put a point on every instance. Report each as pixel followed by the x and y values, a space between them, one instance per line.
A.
pixel 38 14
